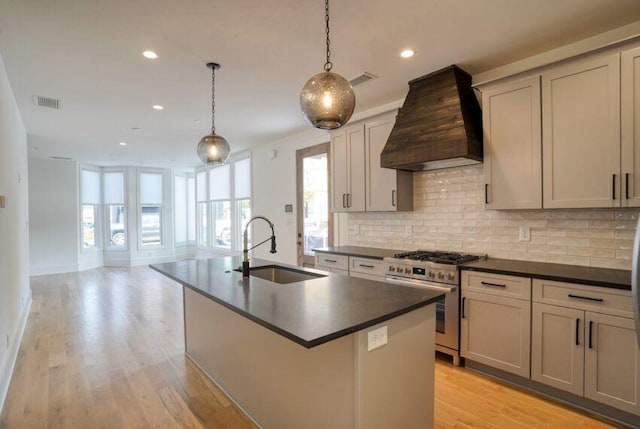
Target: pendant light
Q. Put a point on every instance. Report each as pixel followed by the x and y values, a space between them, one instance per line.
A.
pixel 213 149
pixel 327 99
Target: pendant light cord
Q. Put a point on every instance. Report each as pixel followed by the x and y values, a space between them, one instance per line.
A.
pixel 328 65
pixel 213 100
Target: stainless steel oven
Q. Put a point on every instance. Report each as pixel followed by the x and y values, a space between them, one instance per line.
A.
pixel 434 270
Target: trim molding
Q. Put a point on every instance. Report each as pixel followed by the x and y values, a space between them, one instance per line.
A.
pixel 52 269
pixel 6 371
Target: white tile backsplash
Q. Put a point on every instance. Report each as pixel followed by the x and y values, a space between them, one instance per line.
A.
pixel 449 214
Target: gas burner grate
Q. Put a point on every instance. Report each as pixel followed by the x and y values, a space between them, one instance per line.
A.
pixel 437 256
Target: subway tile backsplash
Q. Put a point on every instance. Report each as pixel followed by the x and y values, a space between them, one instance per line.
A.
pixel 449 214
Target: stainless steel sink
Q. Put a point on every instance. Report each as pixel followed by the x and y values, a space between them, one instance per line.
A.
pixel 282 275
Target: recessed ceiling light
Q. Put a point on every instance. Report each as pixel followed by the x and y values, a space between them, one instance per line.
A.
pixel 158 107
pixel 123 143
pixel 150 54
pixel 407 53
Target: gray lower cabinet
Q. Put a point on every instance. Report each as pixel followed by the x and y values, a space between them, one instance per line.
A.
pixel 495 327
pixel 583 343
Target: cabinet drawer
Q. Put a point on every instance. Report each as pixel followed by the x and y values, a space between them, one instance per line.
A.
pixel 329 260
pixel 497 284
pixel 583 297
pixel 373 267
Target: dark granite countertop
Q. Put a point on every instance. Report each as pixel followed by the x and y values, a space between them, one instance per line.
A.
pixel 310 312
pixel 605 277
pixel 364 252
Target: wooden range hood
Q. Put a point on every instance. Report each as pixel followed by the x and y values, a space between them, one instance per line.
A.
pixel 438 126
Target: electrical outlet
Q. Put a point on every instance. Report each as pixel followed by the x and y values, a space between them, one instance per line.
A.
pixel 525 233
pixel 376 338
pixel 354 229
pixel 408 231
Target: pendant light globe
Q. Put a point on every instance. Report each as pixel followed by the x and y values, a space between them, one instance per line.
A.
pixel 327 100
pixel 213 149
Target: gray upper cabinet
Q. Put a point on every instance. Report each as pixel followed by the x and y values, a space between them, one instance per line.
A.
pixel 630 131
pixel 512 145
pixel 581 133
pixel 358 182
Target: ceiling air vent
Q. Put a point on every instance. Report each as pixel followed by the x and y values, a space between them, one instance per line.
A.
pixel 62 158
pixel 360 79
pixel 51 103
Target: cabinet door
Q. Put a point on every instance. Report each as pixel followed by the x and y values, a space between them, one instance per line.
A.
pixel 630 132
pixel 381 182
pixel 356 190
pixel 557 347
pixel 612 362
pixel 495 331
pixel 340 182
pixel 512 145
pixel 581 134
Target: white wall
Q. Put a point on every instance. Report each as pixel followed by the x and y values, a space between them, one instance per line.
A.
pixel 15 294
pixel 53 216
pixel 273 186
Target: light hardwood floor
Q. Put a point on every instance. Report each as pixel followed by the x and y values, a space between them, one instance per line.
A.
pixel 104 349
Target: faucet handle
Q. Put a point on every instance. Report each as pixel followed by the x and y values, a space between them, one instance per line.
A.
pixel 273 244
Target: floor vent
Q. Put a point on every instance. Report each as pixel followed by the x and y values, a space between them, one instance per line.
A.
pixel 360 79
pixel 51 103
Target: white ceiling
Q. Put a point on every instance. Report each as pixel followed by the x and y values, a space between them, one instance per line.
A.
pixel 88 54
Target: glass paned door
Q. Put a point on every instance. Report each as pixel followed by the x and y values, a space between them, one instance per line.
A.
pixel 314 219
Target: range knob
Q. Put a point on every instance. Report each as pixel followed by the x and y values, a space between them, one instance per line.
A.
pixel 440 275
pixel 392 268
pixel 451 277
pixel 432 275
pixel 407 270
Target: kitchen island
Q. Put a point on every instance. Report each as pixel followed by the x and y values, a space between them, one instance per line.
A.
pixel 326 351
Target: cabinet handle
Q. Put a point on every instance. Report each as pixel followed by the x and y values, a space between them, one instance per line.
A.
pixel 366 266
pixel 577 332
pixel 348 200
pixel 330 260
pixel 590 334
pixel 393 197
pixel 344 204
pixel 486 193
pixel 492 284
pixel 588 298
pixel 463 300
pixel 613 186
pixel 626 185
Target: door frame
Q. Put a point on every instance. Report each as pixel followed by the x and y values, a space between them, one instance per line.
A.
pixel 302 259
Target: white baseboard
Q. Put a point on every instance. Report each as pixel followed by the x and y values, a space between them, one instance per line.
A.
pixel 52 269
pixel 6 370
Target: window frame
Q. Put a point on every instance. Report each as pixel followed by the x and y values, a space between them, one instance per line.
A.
pixel 187 209
pixel 97 223
pixel 106 228
pixel 162 206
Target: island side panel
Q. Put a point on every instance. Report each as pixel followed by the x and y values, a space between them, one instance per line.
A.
pixel 394 383
pixel 278 383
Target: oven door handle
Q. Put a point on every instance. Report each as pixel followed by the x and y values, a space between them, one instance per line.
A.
pixel 420 284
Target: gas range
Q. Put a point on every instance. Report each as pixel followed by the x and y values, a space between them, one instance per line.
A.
pixel 428 265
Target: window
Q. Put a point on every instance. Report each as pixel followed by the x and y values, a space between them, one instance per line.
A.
pixel 115 209
pixel 220 203
pixel 223 205
pixel 191 212
pixel 202 214
pixel 151 197
pixel 242 196
pixel 89 211
pixel 180 208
